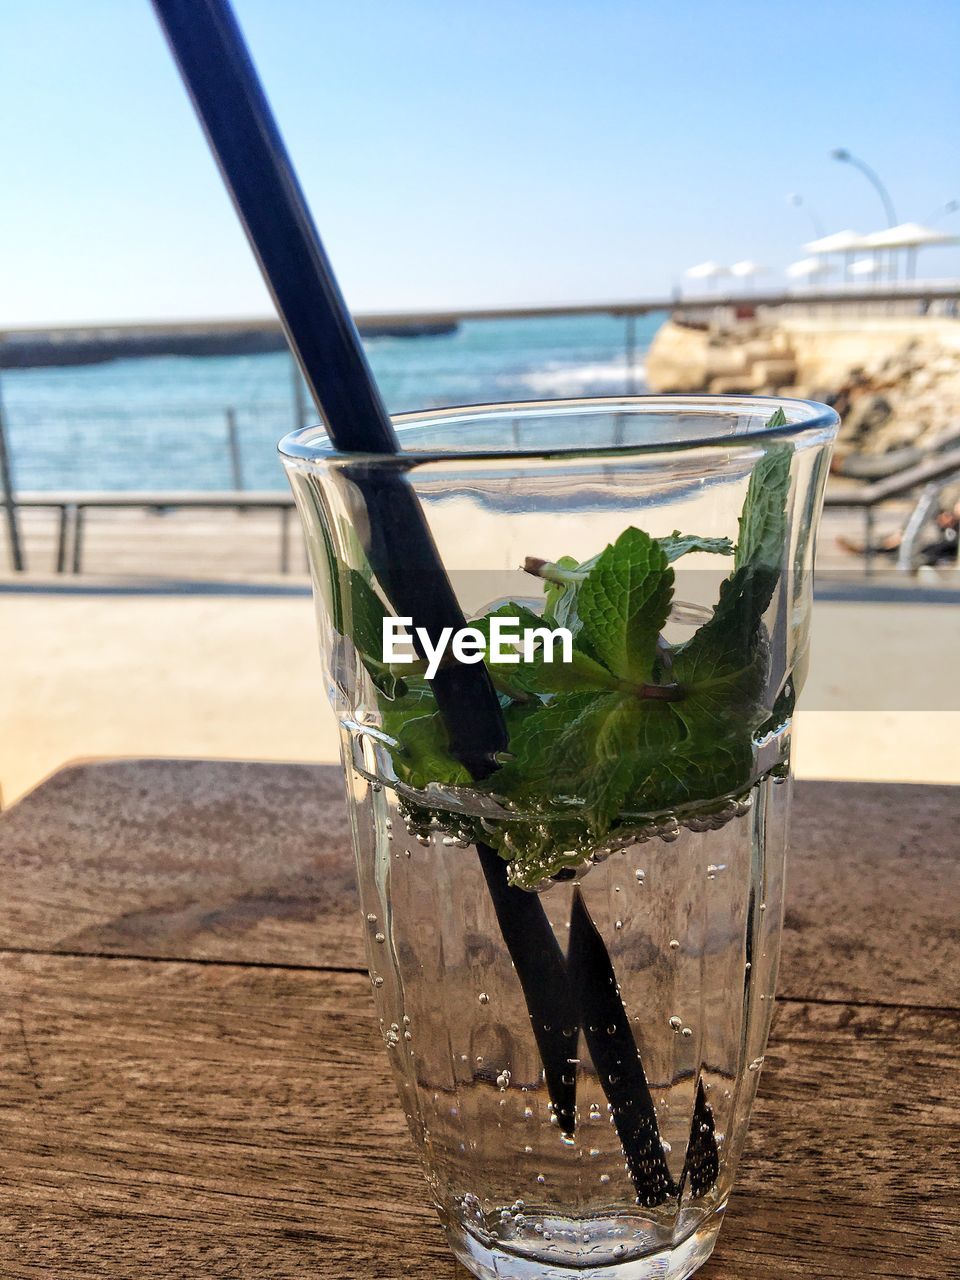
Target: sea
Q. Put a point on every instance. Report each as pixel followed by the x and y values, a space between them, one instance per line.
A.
pixel 164 423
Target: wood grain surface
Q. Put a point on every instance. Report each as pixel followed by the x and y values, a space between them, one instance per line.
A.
pixel 192 1084
pixel 251 862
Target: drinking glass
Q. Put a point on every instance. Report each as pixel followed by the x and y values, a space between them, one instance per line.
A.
pixel 576 1055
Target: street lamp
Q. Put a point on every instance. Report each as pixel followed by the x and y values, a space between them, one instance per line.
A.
pixel 845 157
pixel 942 210
pixel 798 202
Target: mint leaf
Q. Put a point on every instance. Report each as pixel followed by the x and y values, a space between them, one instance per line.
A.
pixel 679 544
pixel 416 700
pixel 624 603
pixel 699 769
pixel 595 748
pixel 630 741
pixel 763 523
pixel 722 677
pixel 423 754
pixel 777 419
pixel 562 583
pixel 581 674
pixel 564 577
pixel 364 613
pixel 547 758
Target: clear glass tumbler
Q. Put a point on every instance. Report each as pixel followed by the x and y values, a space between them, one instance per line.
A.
pixel 572 873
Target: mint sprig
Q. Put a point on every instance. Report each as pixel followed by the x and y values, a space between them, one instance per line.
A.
pixel 632 726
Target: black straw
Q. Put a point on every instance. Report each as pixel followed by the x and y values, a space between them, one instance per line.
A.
pixel 220 77
pixel 222 81
pixel 208 46
pixel 609 1037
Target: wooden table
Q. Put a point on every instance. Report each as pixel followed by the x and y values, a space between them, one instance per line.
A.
pixel 191 1085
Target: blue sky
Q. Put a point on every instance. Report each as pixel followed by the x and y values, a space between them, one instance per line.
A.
pixel 477 154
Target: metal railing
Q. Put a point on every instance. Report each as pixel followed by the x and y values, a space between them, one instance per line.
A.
pixel 233 459
pixel 929 476
pixel 926 293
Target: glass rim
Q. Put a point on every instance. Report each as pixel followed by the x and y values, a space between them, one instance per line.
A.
pixel 810 422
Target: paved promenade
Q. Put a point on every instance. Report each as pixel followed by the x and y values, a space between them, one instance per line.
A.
pixel 237 676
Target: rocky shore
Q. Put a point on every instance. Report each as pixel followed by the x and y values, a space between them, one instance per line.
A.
pixel 894 379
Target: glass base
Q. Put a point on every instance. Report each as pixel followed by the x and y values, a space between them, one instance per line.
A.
pixel 490 1262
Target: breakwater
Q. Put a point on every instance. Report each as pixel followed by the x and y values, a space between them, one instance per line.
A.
pixel 97 344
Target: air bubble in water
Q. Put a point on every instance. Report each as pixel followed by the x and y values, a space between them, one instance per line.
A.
pixel 676 1023
pixel 379 937
pixel 371 918
pixel 604 1178
pixel 674 944
pixel 483 998
pixel 686 1033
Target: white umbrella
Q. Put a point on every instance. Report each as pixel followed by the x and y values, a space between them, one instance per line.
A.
pixel 910 236
pixel 709 271
pixel 864 267
pixel 706 271
pixel 807 269
pixel 746 270
pixel 846 242
pixel 840 242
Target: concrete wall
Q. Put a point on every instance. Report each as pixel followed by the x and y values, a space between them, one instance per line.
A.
pixel 826 351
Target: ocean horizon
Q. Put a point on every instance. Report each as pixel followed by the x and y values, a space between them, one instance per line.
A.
pixel 161 423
